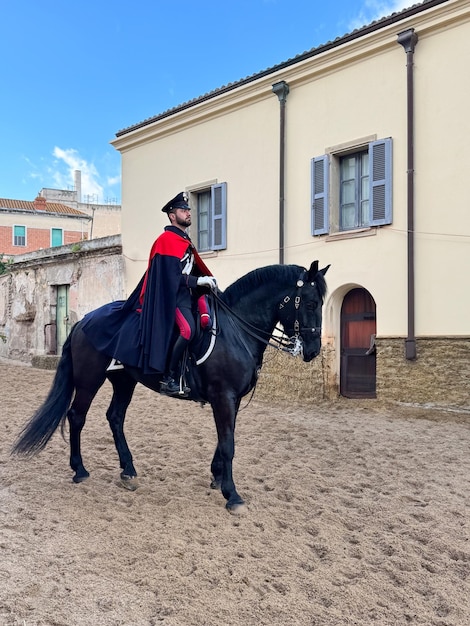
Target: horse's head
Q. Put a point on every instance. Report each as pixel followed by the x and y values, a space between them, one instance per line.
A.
pixel 301 314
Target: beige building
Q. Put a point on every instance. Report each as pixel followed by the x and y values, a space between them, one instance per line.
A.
pixel 351 153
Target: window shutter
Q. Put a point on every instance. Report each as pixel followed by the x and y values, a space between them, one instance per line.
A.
pixel 57 237
pixel 380 181
pixel 320 221
pixel 219 216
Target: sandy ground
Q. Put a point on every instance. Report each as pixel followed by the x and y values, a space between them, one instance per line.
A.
pixel 357 514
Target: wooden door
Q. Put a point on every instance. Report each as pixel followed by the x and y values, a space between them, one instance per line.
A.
pixel 358 358
pixel 62 316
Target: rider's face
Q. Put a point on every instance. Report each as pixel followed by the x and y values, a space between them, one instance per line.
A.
pixel 182 218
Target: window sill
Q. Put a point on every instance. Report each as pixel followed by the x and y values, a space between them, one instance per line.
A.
pixel 209 254
pixel 352 234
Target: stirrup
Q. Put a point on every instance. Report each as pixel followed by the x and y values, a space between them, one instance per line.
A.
pixel 115 365
pixel 169 387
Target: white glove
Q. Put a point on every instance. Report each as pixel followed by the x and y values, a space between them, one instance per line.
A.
pixel 207 281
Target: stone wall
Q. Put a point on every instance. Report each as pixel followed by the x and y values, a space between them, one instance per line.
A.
pixel 284 378
pixel 440 376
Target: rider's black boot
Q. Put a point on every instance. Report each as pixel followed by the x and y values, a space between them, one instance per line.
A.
pixel 170 386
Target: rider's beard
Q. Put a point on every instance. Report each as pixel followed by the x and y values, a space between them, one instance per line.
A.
pixel 184 222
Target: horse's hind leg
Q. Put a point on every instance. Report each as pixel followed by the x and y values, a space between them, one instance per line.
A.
pixel 123 387
pixel 89 367
pixel 76 417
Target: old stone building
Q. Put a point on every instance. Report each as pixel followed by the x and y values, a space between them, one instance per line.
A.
pixel 47 291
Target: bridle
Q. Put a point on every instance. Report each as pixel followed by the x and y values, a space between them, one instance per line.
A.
pixel 295 338
pixel 286 339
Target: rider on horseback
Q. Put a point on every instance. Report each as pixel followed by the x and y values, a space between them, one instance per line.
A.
pixel 170 288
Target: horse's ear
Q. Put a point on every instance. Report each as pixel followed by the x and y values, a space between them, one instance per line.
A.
pixel 324 270
pixel 313 271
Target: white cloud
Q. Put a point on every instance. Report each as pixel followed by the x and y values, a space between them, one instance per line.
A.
pixel 113 180
pixel 376 9
pixel 92 190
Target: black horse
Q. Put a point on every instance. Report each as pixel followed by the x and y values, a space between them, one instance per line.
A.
pixel 247 314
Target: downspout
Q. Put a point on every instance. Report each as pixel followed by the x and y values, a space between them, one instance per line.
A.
pixel 408 39
pixel 281 89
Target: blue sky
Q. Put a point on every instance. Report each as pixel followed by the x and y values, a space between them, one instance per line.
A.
pixel 75 73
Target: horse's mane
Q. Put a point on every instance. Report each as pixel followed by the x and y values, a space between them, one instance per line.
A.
pixel 270 274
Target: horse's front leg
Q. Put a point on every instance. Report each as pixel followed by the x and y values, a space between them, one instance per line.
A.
pixel 216 470
pixel 123 387
pixel 225 411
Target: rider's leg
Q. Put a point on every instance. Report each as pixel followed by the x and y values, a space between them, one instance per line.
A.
pixel 185 322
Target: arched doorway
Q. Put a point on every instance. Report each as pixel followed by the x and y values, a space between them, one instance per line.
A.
pixel 358 358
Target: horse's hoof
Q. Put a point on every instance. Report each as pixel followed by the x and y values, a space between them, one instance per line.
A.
pixel 79 478
pixel 129 482
pixel 215 484
pixel 237 508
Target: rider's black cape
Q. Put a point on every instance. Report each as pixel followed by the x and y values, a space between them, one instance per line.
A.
pixel 138 331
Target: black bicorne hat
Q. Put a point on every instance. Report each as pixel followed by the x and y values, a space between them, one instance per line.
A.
pixel 178 202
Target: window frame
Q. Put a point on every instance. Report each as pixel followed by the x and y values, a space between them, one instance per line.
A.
pixel 15 236
pixel 325 187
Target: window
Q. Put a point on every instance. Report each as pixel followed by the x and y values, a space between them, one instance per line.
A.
pixel 354 191
pixel 212 218
pixel 19 235
pixel 360 183
pixel 57 237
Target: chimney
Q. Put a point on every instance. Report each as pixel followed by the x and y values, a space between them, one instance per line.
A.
pixel 78 185
pixel 40 203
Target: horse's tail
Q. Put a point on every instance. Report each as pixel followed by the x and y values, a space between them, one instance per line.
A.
pixel 40 428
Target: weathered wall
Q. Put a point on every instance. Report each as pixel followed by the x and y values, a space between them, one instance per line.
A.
pixel 93 271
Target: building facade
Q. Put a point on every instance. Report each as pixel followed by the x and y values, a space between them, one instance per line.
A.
pixel 351 153
pixel 26 226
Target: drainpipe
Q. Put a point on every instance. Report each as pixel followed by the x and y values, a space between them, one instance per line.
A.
pixel 408 39
pixel 281 89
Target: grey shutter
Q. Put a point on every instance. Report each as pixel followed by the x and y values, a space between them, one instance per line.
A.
pixel 219 216
pixel 380 180
pixel 320 214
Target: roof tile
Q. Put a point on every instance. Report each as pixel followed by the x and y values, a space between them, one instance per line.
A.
pixel 50 207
